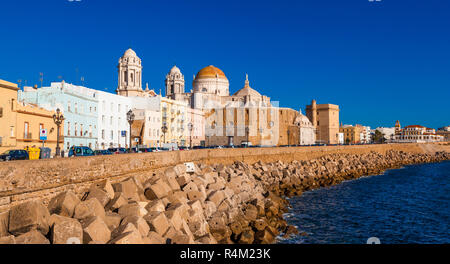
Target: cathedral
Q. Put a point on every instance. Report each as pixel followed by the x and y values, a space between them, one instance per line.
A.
pixel 211 89
pixel 229 119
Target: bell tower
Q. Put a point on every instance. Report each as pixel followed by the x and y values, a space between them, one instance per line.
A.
pixel 174 83
pixel 130 74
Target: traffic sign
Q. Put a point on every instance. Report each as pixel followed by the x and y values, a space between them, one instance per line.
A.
pixel 43 134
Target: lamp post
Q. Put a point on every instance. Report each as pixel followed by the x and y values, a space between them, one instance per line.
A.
pixel 247 132
pixel 130 119
pixel 164 130
pixel 190 127
pixel 58 118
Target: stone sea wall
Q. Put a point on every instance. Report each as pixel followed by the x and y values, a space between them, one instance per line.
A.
pixel 22 181
pixel 227 202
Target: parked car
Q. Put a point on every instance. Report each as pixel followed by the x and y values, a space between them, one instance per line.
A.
pixel 154 149
pixel 102 152
pixel 118 150
pixel 14 154
pixel 183 148
pixel 198 147
pixel 246 144
pixel 80 151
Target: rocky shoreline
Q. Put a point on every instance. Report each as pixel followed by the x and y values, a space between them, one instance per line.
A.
pixel 238 203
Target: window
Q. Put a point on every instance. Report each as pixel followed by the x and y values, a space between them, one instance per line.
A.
pixel 111 120
pixel 103 134
pixel 68 107
pixel 26 135
pixel 90 130
pixel 76 108
pixel 68 128
pixel 118 108
pixel 112 135
pixel 103 119
pixel 76 129
pixel 11 131
pixel 81 130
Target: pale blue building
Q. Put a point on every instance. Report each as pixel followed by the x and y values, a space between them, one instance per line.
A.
pixel 79 106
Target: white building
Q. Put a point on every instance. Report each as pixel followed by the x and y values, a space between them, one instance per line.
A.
pixel 307 133
pixel 341 138
pixel 113 127
pixel 388 132
pixel 195 133
pixel 365 135
pixel 417 134
pixel 149 113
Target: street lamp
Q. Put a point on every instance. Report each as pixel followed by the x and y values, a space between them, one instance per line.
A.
pixel 247 132
pixel 190 127
pixel 164 130
pixel 58 118
pixel 130 119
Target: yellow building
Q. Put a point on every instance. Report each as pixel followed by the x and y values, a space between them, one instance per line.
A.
pixel 8 101
pixel 20 123
pixel 174 119
pixel 352 134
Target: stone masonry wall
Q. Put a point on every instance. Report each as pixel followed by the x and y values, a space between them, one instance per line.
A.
pixel 22 181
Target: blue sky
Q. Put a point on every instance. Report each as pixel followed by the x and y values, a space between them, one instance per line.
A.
pixel 380 61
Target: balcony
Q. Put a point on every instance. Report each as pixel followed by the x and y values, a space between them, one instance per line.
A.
pixel 27 136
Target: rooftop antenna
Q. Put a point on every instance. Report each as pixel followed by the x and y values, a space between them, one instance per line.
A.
pixel 41 78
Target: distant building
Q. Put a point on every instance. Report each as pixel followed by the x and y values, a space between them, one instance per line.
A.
pixel 445 132
pixel 417 134
pixel 388 132
pixel 352 134
pixel 341 139
pixel 365 137
pixel 307 133
pixel 325 118
pixel 196 133
pixel 79 106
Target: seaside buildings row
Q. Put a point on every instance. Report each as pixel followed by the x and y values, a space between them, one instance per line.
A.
pixel 359 134
pixel 207 115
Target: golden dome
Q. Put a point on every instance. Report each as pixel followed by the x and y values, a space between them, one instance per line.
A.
pixel 210 72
